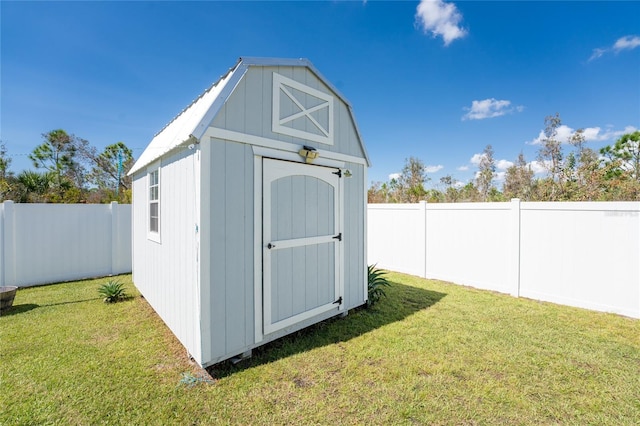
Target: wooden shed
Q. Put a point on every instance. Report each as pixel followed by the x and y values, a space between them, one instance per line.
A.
pixel 249 210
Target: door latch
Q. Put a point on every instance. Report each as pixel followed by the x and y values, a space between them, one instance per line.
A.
pixel 339 301
pixel 270 246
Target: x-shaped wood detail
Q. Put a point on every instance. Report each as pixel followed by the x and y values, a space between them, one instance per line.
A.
pixel 304 111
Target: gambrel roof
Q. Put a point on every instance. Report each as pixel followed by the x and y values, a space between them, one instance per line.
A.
pixel 190 125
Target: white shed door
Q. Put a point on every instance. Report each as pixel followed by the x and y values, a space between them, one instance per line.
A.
pixel 301 242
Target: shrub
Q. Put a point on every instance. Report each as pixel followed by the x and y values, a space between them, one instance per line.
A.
pixel 112 291
pixel 376 282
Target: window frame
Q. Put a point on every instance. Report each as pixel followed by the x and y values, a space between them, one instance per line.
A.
pixel 153 184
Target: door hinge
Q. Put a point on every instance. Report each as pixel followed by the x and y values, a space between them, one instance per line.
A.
pixel 338 237
pixel 339 301
pixel 338 172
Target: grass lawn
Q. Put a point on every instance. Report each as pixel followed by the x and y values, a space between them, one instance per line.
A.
pixel 429 353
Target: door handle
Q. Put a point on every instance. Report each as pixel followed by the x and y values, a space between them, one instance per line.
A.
pixel 270 246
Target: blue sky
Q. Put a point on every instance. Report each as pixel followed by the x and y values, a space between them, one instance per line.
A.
pixel 434 80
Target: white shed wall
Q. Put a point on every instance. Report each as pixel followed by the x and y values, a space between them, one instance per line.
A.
pixel 230 248
pixel 166 273
pixel 355 262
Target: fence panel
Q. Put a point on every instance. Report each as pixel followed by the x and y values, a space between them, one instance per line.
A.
pixel 45 243
pixel 578 254
pixel 582 254
pixel 398 240
pixel 470 243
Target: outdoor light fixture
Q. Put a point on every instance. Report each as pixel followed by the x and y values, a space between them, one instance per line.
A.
pixel 308 153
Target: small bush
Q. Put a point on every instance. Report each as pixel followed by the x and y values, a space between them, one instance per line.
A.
pixel 112 291
pixel 376 282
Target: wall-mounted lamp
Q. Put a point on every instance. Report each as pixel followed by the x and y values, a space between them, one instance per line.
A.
pixel 191 142
pixel 308 153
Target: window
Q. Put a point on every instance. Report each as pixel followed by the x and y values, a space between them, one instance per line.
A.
pixel 154 204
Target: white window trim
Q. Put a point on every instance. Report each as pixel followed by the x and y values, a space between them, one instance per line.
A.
pixel 153 235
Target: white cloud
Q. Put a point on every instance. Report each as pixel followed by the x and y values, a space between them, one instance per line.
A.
pixel 628 42
pixel 538 167
pixel 462 168
pixel 440 19
pixel 610 134
pixel 500 164
pixel 489 108
pixel 433 169
pixel 497 176
pixel 393 176
pixel 503 164
pixel 590 134
pixel 598 52
pixel 476 158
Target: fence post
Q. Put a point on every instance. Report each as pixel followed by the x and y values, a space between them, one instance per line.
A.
pixel 113 209
pixel 423 235
pixel 514 261
pixel 8 250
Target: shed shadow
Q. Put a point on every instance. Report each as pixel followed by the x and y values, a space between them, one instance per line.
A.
pixel 26 307
pixel 18 309
pixel 401 302
pixel 71 302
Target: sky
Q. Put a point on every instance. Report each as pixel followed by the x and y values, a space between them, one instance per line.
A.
pixel 436 80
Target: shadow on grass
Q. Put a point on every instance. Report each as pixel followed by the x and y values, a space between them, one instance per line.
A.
pixel 72 302
pixel 401 302
pixel 26 307
pixel 18 309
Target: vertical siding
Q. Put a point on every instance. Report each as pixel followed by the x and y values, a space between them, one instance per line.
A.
pixel 354 234
pixel 166 273
pixel 231 258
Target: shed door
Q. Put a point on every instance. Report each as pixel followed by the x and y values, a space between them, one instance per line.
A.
pixel 301 242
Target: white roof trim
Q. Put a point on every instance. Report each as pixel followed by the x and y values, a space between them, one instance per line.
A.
pixel 188 126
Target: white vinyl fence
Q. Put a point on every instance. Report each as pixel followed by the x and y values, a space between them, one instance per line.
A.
pixel 46 243
pixel 584 254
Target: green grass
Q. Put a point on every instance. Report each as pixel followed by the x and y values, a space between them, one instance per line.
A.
pixel 429 353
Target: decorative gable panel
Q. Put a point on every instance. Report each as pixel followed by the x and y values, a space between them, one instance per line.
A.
pixel 302 111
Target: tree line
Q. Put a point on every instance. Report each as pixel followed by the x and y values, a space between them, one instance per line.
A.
pixel 68 169
pixel 581 174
